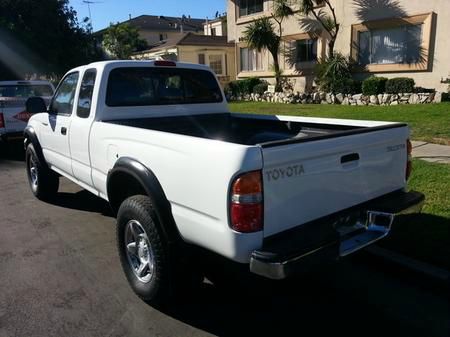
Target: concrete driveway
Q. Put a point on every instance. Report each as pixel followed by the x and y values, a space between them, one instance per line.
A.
pixel 60 276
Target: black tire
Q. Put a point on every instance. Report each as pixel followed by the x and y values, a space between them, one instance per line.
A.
pixel 44 183
pixel 139 208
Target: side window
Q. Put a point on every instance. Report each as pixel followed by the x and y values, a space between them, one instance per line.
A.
pixel 86 91
pixel 62 102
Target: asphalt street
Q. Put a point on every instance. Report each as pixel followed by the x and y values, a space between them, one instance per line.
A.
pixel 60 276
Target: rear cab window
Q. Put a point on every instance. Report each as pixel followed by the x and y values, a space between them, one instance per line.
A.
pixel 86 92
pixel 141 86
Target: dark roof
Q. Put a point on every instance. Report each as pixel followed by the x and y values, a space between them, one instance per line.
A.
pixel 164 23
pixel 191 39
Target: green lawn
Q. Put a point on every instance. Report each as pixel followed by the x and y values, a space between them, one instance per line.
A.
pixel 428 122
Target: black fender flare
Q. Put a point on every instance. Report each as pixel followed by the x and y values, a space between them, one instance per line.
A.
pixel 150 183
pixel 30 137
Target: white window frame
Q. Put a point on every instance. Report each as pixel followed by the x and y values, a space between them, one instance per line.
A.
pixel 254 13
pixel 222 58
pixel 254 59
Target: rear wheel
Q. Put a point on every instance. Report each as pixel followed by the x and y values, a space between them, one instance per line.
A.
pixel 156 271
pixel 142 251
pixel 44 183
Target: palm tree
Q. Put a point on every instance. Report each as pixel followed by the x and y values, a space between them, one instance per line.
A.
pixel 310 8
pixel 261 34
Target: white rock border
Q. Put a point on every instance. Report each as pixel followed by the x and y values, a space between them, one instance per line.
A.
pixel 344 99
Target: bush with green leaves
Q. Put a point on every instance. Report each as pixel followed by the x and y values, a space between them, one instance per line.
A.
pixel 400 85
pixel 424 90
pixel 374 85
pixel 333 74
pixel 231 88
pixel 242 87
pixel 260 88
pixel 346 86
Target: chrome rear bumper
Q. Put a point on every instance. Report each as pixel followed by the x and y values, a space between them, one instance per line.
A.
pixel 338 236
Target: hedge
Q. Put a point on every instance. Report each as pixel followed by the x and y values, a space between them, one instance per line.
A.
pixel 400 85
pixel 243 87
pixel 374 85
pixel 260 88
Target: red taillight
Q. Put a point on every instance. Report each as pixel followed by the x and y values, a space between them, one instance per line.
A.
pixel 408 159
pixel 2 120
pixel 246 213
pixel 165 64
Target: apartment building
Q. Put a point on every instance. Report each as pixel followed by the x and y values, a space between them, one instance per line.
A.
pixel 216 27
pixel 389 38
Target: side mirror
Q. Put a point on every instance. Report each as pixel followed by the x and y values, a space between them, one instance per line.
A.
pixel 35 105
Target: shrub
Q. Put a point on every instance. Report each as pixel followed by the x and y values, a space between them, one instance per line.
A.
pixel 374 85
pixel 247 85
pixel 356 87
pixel 424 90
pixel 400 85
pixel 333 74
pixel 242 87
pixel 231 88
pixel 260 88
pixel 345 86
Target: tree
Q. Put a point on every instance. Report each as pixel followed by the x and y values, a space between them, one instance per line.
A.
pixel 261 34
pixel 121 40
pixel 312 9
pixel 42 38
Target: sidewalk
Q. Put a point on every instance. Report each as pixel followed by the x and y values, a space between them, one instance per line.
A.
pixel 431 152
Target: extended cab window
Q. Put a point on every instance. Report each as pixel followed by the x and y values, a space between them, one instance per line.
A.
pixel 86 91
pixel 140 86
pixel 62 102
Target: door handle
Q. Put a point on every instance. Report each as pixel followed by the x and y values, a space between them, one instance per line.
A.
pixel 349 157
pixel 63 131
pixel 45 124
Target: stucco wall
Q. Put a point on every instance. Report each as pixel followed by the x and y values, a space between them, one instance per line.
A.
pixel 190 54
pixel 152 37
pixel 349 14
pixel 218 25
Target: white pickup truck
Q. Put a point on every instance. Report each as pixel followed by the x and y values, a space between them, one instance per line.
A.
pixel 14 114
pixel 272 193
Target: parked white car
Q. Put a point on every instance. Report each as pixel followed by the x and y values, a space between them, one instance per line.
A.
pixel 13 112
pixel 273 193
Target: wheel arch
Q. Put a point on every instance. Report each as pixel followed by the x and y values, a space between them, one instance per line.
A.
pixel 30 137
pixel 139 179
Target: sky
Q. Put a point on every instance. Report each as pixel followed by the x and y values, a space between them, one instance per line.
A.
pixel 103 12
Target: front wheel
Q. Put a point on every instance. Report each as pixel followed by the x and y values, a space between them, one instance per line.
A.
pixel 43 182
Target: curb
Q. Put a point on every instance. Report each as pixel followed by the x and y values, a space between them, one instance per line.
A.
pixel 417 266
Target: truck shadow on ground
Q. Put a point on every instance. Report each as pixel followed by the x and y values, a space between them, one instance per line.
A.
pixel 82 201
pixel 12 151
pixel 313 304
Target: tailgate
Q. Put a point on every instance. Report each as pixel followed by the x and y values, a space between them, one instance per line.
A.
pixel 15 116
pixel 13 110
pixel 308 180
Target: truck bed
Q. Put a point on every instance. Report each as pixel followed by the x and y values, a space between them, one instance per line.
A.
pixel 247 130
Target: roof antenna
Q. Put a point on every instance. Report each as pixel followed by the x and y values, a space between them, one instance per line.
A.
pixel 89 3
